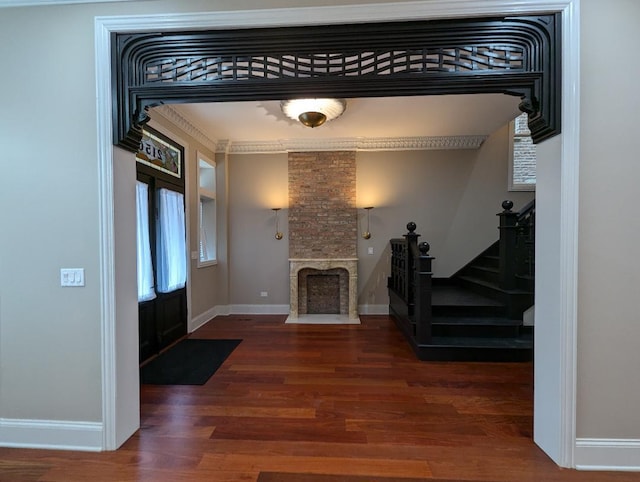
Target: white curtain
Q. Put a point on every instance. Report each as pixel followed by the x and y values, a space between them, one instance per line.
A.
pixel 146 290
pixel 171 245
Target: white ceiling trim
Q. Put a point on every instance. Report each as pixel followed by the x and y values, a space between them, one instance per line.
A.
pixel 422 143
pixel 352 144
pixel 177 119
pixel 32 3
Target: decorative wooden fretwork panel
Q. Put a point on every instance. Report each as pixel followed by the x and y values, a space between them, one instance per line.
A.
pixel 514 55
pixel 463 59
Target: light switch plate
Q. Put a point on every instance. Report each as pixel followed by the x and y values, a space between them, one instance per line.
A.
pixel 71 276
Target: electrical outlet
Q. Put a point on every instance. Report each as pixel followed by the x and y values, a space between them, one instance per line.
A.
pixel 264 294
pixel 370 250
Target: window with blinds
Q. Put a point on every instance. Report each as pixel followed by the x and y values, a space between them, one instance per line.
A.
pixel 206 211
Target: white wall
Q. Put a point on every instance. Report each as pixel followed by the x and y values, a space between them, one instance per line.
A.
pixel 126 303
pixel 548 350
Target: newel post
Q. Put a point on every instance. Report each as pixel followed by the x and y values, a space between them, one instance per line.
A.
pixel 423 278
pixel 419 273
pixel 412 243
pixel 508 243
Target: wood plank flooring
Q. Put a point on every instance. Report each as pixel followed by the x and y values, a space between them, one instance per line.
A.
pixel 323 403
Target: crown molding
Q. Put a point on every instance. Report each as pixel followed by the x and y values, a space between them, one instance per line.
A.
pixel 39 3
pixel 352 144
pixel 174 117
pixel 423 143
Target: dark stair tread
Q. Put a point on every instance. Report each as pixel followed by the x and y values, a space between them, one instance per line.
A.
pixel 457 296
pixel 489 284
pixel 488 269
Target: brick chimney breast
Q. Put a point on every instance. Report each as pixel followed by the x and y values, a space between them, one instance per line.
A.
pixel 323 231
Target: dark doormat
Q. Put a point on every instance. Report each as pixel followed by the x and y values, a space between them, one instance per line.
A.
pixel 189 362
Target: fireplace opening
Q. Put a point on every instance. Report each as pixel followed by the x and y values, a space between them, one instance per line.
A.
pixel 323 291
pixel 324 287
pixel 323 294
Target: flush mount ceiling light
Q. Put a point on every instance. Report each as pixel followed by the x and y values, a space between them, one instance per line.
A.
pixel 313 112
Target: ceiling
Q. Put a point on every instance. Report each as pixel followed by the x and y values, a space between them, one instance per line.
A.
pixel 388 117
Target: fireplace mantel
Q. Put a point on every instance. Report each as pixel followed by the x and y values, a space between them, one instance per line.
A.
pixel 349 264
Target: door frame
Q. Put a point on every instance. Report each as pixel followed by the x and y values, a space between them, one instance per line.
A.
pixel 558 440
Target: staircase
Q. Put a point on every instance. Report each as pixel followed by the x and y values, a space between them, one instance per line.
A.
pixel 469 326
pixel 476 315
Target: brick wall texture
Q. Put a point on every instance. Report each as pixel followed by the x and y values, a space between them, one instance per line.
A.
pixel 323 292
pixel 524 153
pixel 322 199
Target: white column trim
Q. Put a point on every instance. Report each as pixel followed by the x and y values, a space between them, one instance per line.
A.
pixel 432 9
pixel 107 240
pixel 569 205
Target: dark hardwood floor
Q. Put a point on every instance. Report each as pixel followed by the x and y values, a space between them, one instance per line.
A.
pixel 323 403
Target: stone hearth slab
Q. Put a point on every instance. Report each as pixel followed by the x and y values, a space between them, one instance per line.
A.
pixel 323 320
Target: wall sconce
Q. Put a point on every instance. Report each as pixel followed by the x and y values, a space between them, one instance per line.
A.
pixel 367 234
pixel 278 234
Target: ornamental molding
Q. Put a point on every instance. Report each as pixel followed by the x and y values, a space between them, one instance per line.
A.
pixel 420 143
pixel 174 117
pixel 518 56
pixel 423 143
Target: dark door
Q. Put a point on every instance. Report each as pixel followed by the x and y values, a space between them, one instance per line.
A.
pixel 163 318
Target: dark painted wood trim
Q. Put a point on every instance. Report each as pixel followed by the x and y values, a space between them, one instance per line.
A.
pixel 517 56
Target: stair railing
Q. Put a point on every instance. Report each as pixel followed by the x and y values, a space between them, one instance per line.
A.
pixel 410 281
pixel 517 243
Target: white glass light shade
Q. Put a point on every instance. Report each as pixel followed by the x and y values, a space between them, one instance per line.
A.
pixel 329 108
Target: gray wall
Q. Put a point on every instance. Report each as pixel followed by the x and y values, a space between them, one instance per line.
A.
pixel 50 345
pixel 452 195
pixel 50 336
pixel 609 282
pixel 258 261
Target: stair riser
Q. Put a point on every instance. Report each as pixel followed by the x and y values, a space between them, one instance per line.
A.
pixel 525 284
pixel 474 354
pixel 487 262
pixel 476 331
pixel 479 272
pixel 487 291
pixel 469 311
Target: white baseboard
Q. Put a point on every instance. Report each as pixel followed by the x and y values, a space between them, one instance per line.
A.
pixel 223 310
pixel 197 321
pixel 607 454
pixel 259 309
pixel 51 434
pixel 373 309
